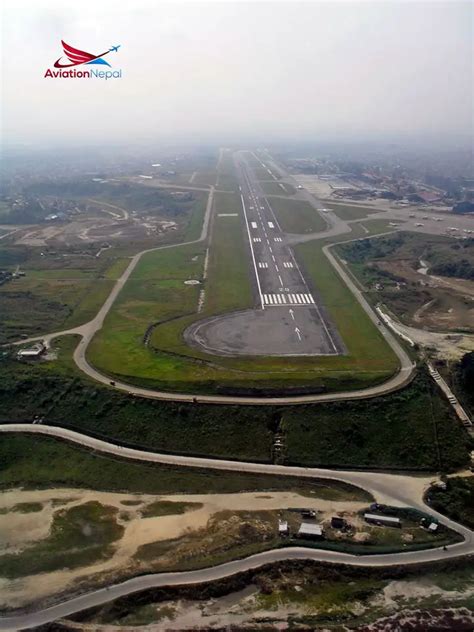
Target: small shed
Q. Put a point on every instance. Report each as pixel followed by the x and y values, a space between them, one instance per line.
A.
pixel 283 528
pixel 311 531
pixel 337 522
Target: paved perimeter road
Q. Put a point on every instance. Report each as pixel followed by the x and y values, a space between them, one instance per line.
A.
pixel 395 489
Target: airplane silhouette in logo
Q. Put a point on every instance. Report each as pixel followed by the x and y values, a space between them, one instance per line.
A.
pixel 78 57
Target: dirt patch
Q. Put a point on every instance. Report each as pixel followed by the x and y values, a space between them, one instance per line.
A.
pixel 437 303
pixel 24 529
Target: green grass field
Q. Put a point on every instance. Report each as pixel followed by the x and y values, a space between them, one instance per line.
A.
pixel 296 216
pixel 368 353
pixel 397 430
pixel 277 188
pixel 156 294
pixel 79 536
pixel 377 226
pixel 36 462
pixel 52 297
pixel 414 428
pixel 349 213
pixel 226 177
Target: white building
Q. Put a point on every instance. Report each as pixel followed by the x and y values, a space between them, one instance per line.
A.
pixel 310 530
pixel 283 528
pixel 32 352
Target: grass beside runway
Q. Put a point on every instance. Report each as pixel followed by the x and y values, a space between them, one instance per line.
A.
pixel 226 178
pixel 277 188
pixel 297 216
pixel 156 293
pixel 365 344
pixel 349 213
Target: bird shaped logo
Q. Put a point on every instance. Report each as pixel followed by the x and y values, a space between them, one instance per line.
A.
pixel 78 57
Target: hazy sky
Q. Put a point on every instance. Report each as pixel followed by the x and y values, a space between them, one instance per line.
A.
pixel 227 70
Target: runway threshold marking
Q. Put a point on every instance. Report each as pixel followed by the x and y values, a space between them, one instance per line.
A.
pixel 295 300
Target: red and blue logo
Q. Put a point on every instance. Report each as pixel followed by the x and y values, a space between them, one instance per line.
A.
pixel 74 57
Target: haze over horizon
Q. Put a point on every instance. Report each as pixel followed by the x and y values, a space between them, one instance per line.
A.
pixel 219 72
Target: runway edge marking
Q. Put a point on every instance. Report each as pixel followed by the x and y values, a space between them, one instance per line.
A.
pixel 252 252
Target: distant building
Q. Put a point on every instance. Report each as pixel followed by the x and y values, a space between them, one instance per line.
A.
pixel 388 521
pixel 32 352
pixel 430 196
pixel 311 531
pixel 283 528
pixel 429 524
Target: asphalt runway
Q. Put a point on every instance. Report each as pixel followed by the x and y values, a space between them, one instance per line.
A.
pixel 289 318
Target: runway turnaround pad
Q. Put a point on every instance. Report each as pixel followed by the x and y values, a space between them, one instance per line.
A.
pixel 282 331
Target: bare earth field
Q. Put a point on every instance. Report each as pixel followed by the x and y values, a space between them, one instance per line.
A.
pixel 19 530
pixel 92 228
pixel 123 534
pixel 450 304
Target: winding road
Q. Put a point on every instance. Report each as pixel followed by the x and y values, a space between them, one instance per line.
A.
pixel 399 490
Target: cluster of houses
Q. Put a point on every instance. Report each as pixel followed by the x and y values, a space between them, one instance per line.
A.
pixel 308 528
